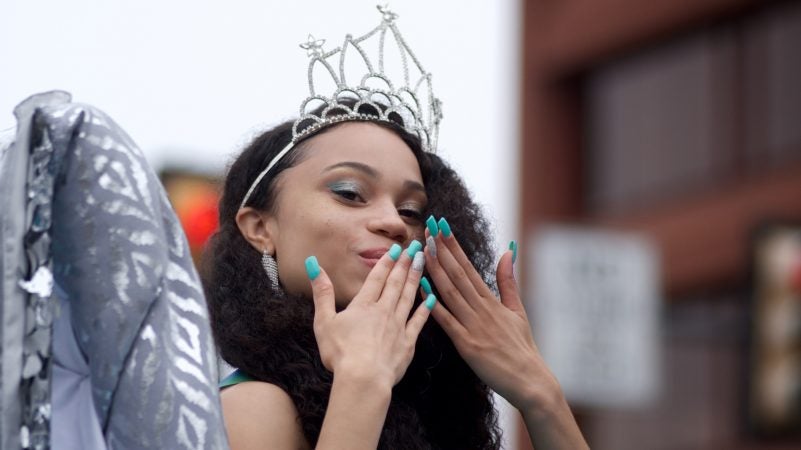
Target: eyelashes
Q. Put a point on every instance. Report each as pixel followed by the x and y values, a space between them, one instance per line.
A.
pixel 411 213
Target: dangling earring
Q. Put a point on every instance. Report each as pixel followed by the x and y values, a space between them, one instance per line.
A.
pixel 271 267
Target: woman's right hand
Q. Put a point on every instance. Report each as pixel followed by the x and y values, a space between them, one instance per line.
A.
pixel 373 338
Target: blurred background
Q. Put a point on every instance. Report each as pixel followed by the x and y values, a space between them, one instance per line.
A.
pixel 647 155
pixel 664 138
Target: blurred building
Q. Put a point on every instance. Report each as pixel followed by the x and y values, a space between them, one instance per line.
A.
pixel 679 120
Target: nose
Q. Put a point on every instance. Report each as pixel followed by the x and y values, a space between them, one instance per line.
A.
pixel 386 221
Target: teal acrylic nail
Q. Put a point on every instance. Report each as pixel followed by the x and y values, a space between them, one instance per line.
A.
pixel 426 285
pixel 312 267
pixel 431 301
pixel 431 223
pixel 414 247
pixel 395 252
pixel 513 248
pixel 445 227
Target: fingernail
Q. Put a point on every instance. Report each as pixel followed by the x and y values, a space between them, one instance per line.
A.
pixel 312 267
pixel 431 223
pixel 426 285
pixel 395 251
pixel 414 247
pixel 431 301
pixel 445 227
pixel 513 248
pixel 419 261
pixel 432 246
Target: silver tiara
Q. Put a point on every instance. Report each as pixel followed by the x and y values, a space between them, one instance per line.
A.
pixel 376 98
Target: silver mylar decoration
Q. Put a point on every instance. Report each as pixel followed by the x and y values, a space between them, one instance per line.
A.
pixel 86 221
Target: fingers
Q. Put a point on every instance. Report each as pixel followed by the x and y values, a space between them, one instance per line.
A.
pixel 507 285
pixel 322 290
pixel 415 324
pixel 377 278
pixel 448 292
pixel 459 278
pixel 398 280
pixel 448 322
pixel 406 300
pixel 461 287
pixel 454 257
pixel 453 280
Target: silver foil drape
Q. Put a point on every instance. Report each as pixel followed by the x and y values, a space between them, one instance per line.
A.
pixel 82 209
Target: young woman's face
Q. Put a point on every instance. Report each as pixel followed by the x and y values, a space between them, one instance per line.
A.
pixel 357 191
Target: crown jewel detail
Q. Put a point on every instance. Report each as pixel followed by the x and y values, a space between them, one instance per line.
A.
pixel 375 88
pixel 375 96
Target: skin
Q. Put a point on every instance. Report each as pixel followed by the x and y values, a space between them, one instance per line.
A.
pixel 362 305
pixel 361 189
pixel 493 335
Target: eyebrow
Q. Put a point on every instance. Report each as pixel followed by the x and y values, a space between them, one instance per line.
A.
pixel 361 167
pixel 371 172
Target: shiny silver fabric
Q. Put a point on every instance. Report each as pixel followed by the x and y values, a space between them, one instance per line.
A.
pixel 136 305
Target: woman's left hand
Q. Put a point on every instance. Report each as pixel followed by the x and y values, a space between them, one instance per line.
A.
pixel 494 337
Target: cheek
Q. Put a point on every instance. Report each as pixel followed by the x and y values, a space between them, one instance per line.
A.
pixel 418 233
pixel 321 231
pixel 336 245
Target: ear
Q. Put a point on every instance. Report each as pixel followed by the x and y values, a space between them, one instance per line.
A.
pixel 258 228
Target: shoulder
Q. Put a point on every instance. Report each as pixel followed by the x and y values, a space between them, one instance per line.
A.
pixel 261 415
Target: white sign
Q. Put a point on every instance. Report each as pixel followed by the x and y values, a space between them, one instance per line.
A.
pixel 595 314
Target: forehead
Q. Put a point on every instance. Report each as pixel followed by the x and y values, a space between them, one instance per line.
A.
pixel 366 143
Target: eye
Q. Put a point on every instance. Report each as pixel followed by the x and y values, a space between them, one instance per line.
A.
pixel 352 196
pixel 413 214
pixel 347 191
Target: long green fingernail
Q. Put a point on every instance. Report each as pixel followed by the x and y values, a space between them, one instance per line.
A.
pixel 445 227
pixel 414 247
pixel 431 301
pixel 426 285
pixel 395 251
pixel 431 223
pixel 513 248
pixel 312 267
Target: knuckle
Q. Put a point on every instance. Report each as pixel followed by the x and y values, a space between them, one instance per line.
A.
pixel 472 346
pixel 409 351
pixel 324 290
pixel 394 283
pixel 460 274
pixel 451 292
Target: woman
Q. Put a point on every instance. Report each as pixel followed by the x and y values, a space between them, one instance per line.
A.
pixel 332 343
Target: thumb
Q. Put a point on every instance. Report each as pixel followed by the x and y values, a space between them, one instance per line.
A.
pixel 322 290
pixel 507 285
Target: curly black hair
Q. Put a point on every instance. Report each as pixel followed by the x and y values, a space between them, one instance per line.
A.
pixel 439 403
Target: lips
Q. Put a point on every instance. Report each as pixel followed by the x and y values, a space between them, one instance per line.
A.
pixel 372 255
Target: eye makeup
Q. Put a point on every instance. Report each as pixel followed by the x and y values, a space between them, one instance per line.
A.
pixel 354 191
pixel 344 185
pixel 347 189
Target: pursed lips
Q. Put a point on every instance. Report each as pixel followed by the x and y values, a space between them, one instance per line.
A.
pixel 371 256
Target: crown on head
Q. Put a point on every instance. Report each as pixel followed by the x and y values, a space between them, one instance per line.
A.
pixel 408 102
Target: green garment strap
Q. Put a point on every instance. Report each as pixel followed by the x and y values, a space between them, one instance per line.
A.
pixel 236 377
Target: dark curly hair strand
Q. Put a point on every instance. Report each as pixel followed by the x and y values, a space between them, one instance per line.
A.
pixel 439 404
